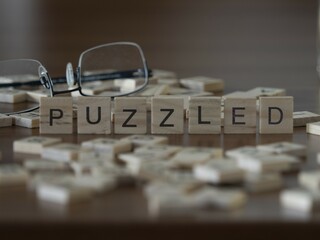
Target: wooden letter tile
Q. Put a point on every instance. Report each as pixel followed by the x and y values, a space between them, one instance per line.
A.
pixel 141 140
pixel 12 95
pixel 160 73
pixel 33 144
pixel 310 179
pixel 90 154
pixel 94 115
pixel 201 83
pixel 240 115
pixel 27 120
pixel 313 128
pixel 130 115
pixel 135 160
pixel 300 119
pixel 191 156
pixel 56 115
pixel 154 90
pixel 95 88
pixel 219 171
pixel 63 191
pixel 220 198
pixel 63 152
pixel 167 115
pixel 276 115
pixel 12 175
pixel 34 96
pixel 204 115
pixel 265 92
pixel 110 145
pixel 267 163
pixel 300 200
pixel 263 182
pixel 165 151
pixel 41 165
pixel 290 148
pixel 244 152
pixel 5 121
pixel 236 94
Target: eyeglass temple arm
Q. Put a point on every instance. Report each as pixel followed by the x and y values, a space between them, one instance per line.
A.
pixel 116 75
pixel 89 78
pixel 18 84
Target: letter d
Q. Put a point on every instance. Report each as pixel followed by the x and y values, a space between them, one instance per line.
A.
pixel 273 121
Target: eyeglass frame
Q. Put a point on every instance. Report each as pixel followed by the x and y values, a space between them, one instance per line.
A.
pixel 75 79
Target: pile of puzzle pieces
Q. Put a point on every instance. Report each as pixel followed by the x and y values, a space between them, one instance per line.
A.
pixel 174 178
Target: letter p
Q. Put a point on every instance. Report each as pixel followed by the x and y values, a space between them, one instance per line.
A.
pixel 55 114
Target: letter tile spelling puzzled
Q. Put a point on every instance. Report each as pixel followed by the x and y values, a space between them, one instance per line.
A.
pixel 276 115
pixel 56 115
pixel 240 115
pixel 167 115
pixel 205 115
pixel 130 115
pixel 94 115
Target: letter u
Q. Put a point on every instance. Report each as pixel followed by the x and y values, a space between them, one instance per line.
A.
pixel 88 116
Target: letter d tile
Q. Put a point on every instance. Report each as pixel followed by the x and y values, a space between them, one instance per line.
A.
pixel 276 115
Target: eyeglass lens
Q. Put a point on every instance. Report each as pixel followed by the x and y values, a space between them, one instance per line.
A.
pixel 112 70
pixel 18 97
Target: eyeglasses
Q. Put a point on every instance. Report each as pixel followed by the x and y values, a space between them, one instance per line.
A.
pixel 112 70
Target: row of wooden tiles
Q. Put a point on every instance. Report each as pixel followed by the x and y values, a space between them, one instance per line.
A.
pixel 129 115
pixel 167 115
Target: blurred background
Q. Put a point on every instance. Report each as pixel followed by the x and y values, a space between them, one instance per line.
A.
pixel 248 43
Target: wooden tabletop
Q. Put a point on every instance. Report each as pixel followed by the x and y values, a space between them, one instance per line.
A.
pixel 247 43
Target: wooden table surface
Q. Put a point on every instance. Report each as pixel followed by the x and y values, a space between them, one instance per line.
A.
pixel 247 43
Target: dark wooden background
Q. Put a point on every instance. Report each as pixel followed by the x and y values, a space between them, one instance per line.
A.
pixel 248 43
